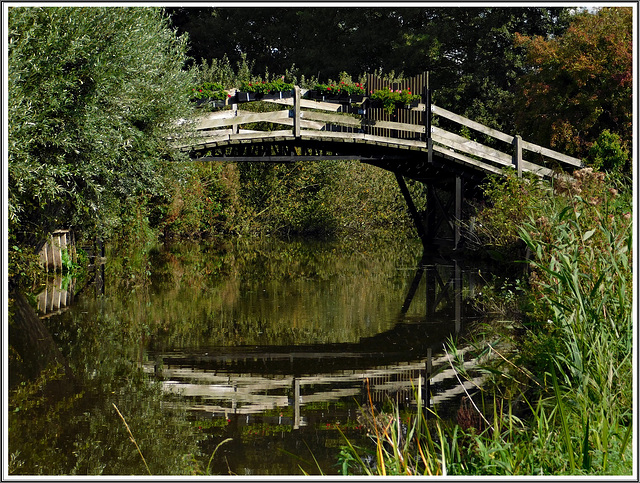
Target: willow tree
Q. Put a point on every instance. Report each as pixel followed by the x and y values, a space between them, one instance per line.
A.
pixel 93 93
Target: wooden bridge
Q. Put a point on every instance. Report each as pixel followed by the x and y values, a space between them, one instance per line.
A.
pixel 421 142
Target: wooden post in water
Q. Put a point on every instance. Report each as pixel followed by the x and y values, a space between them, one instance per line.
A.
pixel 51 253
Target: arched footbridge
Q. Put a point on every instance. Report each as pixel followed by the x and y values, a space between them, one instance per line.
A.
pixel 419 141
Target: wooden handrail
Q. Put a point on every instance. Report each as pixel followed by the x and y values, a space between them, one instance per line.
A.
pixel 305 117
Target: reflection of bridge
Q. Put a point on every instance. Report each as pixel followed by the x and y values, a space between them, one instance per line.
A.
pixel 397 363
pixel 411 143
pixel 226 393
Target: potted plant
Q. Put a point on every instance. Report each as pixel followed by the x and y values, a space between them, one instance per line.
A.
pixel 390 99
pixel 256 90
pixel 343 91
pixel 209 92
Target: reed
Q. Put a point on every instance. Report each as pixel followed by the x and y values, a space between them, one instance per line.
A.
pixel 572 370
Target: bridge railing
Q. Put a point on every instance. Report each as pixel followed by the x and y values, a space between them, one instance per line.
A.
pixel 344 121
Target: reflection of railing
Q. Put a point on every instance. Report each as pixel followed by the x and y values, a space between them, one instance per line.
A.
pixel 397 363
pixel 222 393
pixel 57 295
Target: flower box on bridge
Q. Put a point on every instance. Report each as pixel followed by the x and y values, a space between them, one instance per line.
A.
pixel 248 96
pixel 336 98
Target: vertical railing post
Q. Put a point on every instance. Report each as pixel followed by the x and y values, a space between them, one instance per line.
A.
pixel 296 111
pixel 426 99
pixel 458 193
pixel 235 128
pixel 517 155
pixel 296 403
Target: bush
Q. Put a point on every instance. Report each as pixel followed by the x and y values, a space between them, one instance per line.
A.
pixel 607 154
pixel 93 93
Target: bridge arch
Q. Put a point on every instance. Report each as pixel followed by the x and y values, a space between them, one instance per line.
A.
pixel 410 143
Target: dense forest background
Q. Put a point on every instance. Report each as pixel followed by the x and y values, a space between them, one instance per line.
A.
pixel 94 93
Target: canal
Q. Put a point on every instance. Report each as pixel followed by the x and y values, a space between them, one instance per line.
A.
pixel 245 357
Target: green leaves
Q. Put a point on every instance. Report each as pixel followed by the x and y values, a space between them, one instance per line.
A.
pixel 580 84
pixel 93 93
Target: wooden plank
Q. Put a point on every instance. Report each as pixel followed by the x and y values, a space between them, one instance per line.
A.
pixel 244 117
pixel 439 111
pixel 332 118
pixel 217 115
pixel 309 104
pixel 282 159
pixel 212 133
pixel 468 146
pixel 405 143
pixel 399 126
pixel 341 136
pixel 466 160
pixel 534 168
pixel 285 122
pixel 262 135
pixel 552 154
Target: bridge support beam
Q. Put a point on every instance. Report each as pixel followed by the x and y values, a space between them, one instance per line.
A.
pixel 417 219
pixel 440 213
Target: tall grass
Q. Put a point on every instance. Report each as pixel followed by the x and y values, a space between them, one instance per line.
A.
pixel 565 405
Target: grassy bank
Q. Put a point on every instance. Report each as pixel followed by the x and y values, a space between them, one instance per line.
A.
pixel 559 395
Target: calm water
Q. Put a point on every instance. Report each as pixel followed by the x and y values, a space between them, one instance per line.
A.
pixel 272 344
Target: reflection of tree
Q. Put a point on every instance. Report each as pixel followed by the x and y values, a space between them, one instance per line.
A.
pixel 264 292
pixel 60 424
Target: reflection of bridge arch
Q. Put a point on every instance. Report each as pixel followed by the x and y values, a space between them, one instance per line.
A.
pixel 250 380
pixel 410 143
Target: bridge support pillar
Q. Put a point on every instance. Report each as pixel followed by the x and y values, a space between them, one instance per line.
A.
pixel 439 214
pixel 417 219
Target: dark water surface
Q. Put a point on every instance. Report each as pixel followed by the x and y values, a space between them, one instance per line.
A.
pixel 273 344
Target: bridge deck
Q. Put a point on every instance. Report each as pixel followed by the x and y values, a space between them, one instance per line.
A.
pixel 329 130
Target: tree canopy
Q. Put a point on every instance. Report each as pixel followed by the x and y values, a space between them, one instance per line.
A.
pixel 92 92
pixel 469 51
pixel 580 83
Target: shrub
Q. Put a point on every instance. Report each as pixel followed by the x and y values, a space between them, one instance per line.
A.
pixel 93 93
